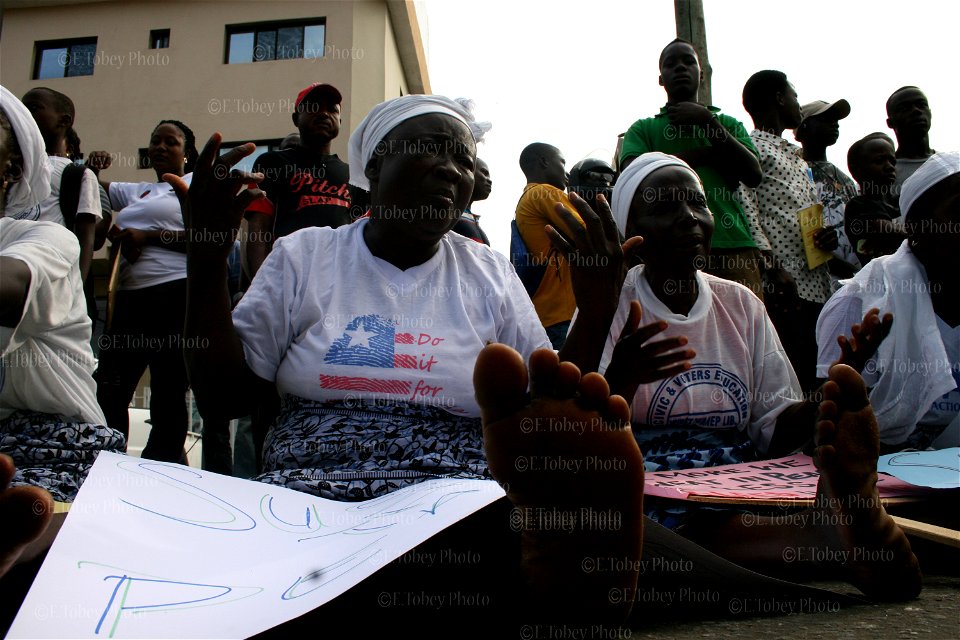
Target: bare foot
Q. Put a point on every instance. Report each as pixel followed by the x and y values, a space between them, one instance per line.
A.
pixel 25 513
pixel 569 463
pixel 873 548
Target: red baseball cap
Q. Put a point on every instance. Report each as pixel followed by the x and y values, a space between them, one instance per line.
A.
pixel 319 90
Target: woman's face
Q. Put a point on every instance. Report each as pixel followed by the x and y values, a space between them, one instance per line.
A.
pixel 670 211
pixel 167 149
pixel 937 234
pixel 422 177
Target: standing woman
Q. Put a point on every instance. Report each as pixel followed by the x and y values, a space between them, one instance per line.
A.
pixel 147 327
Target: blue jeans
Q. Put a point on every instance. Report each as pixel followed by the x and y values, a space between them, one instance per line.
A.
pixel 558 334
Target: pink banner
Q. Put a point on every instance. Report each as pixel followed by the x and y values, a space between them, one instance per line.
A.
pixel 791 478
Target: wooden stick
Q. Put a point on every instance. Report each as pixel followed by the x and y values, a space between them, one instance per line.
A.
pixel 949 537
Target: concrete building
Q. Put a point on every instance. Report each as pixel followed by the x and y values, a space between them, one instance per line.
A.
pixel 229 66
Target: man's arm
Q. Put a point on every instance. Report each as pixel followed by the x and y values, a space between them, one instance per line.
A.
pixel 730 151
pixel 634 144
pixel 256 243
pixel 85 228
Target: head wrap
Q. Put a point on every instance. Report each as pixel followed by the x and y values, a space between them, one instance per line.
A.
pixel 34 186
pixel 629 181
pixel 938 167
pixel 384 117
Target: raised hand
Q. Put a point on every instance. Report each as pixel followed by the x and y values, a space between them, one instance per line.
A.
pixel 637 361
pixel 598 262
pixel 216 198
pixel 865 339
pixel 97 161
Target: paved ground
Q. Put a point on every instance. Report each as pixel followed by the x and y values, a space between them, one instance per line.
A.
pixel 935 615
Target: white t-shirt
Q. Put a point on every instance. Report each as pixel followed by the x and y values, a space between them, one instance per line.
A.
pixel 149 206
pixel 741 377
pixel 49 209
pixel 89 193
pixel 47 363
pixel 326 320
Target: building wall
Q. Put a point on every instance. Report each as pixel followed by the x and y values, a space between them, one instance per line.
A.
pixel 134 87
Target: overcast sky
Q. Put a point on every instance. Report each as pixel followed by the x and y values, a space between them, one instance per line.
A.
pixel 576 74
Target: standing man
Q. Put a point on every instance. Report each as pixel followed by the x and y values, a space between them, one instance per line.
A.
pixel 794 293
pixel 908 114
pixel 544 167
pixel 719 150
pixel 469 223
pixel 306 185
pixel 819 129
pixel 74 199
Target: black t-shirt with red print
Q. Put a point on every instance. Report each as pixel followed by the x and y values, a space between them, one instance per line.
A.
pixel 304 190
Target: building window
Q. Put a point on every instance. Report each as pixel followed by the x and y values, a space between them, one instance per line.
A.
pixel 64 58
pixel 160 39
pixel 263 41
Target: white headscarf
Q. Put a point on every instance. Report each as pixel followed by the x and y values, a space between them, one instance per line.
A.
pixel 629 181
pixel 938 167
pixel 34 187
pixel 385 116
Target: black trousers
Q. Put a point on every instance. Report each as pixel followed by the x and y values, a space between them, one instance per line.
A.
pixel 147 331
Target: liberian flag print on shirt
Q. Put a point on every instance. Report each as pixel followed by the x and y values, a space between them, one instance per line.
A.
pixel 372 342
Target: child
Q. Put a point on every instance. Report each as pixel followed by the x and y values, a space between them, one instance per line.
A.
pixel 872 219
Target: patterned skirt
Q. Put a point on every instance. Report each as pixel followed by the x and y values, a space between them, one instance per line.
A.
pixel 52 453
pixel 673 448
pixel 359 450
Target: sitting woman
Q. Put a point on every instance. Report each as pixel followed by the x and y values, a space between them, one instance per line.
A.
pixel 913 372
pixel 50 422
pixel 369 332
pixel 738 396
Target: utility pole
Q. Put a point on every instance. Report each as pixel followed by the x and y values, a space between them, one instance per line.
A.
pixel 692 28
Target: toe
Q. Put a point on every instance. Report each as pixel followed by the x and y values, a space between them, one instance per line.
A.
pixel 544 369
pixel 851 387
pixel 500 382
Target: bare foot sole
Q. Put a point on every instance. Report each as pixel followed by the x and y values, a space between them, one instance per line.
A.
pixel 569 463
pixel 25 513
pixel 859 532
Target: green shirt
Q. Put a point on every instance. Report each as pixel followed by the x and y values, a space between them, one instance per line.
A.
pixel 731 229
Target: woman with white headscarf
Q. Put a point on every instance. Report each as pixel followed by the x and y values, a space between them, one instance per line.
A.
pixel 369 332
pixel 718 388
pixel 50 422
pixel 913 372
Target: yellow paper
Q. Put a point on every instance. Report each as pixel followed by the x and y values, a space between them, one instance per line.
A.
pixel 811 220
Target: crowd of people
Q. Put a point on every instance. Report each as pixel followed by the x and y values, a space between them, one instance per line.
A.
pixel 677 301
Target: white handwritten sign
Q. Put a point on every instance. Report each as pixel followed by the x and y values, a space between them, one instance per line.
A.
pixel 152 549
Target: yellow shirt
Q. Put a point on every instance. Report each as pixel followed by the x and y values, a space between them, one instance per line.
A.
pixel 554 299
